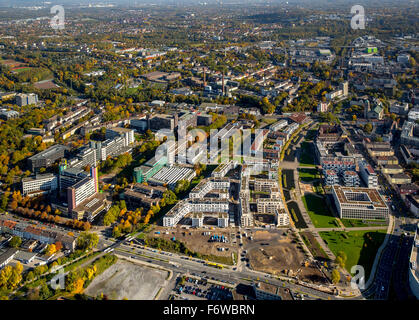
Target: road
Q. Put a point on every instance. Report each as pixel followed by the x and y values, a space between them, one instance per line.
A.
pixel 185 265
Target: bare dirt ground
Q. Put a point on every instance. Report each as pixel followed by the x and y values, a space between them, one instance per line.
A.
pixel 273 252
pixel 195 240
pixel 128 280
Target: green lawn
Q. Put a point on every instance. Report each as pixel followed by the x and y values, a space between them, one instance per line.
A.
pixel 308 175
pixel 318 211
pixel 360 246
pixel 353 223
pixel 307 156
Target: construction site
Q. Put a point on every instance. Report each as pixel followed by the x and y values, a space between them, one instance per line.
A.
pixel 278 252
pixel 206 241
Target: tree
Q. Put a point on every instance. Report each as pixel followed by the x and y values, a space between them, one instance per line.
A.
pixel 86 226
pixel 368 128
pixel 341 259
pixel 87 241
pixel 58 246
pixel 50 250
pixel 335 276
pixel 116 232
pixel 15 242
pixel 4 201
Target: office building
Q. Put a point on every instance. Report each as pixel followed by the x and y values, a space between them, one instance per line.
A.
pixel 82 190
pixel 39 184
pixel 23 99
pixel 151 167
pixel 47 157
pixel 204 119
pixel 163 121
pixel 8 114
pixel 127 134
pixel 359 203
pixel 169 176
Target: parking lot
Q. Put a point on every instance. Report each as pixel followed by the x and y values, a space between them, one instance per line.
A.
pixel 188 288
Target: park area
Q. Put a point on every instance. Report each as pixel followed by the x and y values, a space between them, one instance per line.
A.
pixel 319 213
pixel 307 154
pixel 360 247
pixel 355 223
pixel 314 246
pixel 279 253
pixel 308 175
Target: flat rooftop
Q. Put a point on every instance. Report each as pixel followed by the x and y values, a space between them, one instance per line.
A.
pixel 49 152
pixel 359 196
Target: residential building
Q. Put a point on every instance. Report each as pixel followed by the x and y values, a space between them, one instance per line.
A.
pixel 331 178
pixel 281 218
pixel 351 179
pixel 368 175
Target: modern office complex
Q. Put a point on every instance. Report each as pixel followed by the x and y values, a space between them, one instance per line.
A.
pixel 82 190
pixel 47 157
pixel 169 176
pixel 39 184
pixel 85 157
pixel 359 203
pixel 148 169
pixel 23 99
